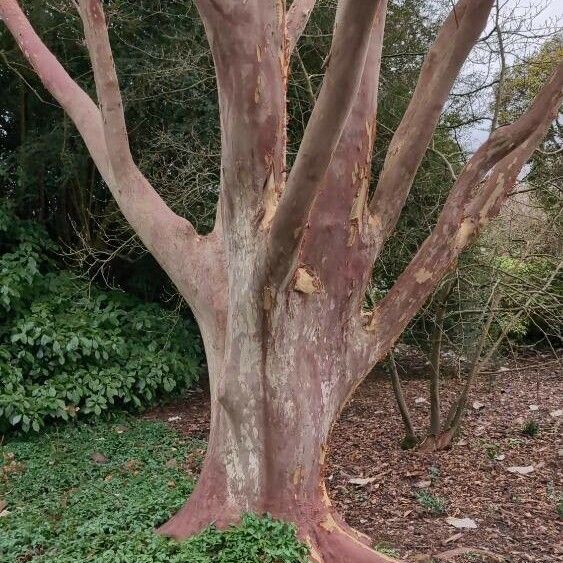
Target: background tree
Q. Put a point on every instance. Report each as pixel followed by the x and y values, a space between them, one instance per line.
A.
pixel 291 258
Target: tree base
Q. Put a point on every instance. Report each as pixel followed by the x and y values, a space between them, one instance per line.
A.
pixel 329 540
pixel 442 441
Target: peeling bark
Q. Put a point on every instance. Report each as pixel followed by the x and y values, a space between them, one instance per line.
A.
pixel 277 287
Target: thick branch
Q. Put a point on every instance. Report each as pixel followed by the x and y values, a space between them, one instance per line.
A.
pixel 442 65
pixel 338 219
pixel 109 95
pixel 247 40
pixel 163 232
pixel 475 199
pixel 297 17
pixel 340 86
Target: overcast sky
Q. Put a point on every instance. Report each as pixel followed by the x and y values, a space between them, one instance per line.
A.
pixel 548 17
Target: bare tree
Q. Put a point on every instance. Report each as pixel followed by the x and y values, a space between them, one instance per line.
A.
pixel 277 287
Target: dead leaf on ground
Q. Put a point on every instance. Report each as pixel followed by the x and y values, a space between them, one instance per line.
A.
pixel 533 407
pixel 97 457
pixel 362 482
pixel 500 457
pixel 453 553
pixel 521 470
pixel 462 523
pixel 423 484
pixel 478 406
pixel 455 537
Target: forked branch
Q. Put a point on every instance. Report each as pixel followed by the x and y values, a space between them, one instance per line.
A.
pixel 160 229
pixel 354 21
pixel 481 188
pixel 459 33
pixel 297 17
pixel 109 94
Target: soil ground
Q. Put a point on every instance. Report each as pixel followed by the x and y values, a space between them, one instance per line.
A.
pixel 405 504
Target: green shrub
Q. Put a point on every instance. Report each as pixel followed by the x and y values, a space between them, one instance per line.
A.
pixel 531 429
pixel 68 348
pixel 432 503
pixel 63 507
pixel 387 549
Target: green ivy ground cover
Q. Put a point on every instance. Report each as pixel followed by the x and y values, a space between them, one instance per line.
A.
pixel 95 492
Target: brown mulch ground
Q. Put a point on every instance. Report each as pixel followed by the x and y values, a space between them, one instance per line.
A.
pixel 516 515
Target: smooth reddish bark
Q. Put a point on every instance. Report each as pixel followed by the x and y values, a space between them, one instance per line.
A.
pixel 278 286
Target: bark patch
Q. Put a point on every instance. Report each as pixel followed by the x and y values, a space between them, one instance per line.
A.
pixel 306 282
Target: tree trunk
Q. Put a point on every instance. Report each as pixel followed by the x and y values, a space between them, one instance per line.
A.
pixel 276 402
pixel 410 434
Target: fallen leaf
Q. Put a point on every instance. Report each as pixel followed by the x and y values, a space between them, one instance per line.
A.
pixel 461 523
pixel 478 406
pixel 455 537
pixel 453 553
pixel 521 470
pixel 362 482
pixel 534 407
pixel 461 443
pixel 423 484
pixel 500 457
pixel 97 457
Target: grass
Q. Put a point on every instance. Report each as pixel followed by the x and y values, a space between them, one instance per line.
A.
pixel 95 493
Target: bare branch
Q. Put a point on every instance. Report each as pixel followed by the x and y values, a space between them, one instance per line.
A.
pixel 475 199
pixel 458 35
pixel 109 95
pixel 161 230
pixel 341 83
pixel 297 17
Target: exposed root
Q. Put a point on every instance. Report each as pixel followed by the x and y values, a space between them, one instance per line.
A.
pixel 201 511
pixel 437 443
pixel 331 543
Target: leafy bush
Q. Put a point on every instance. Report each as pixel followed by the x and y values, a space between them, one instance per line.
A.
pixel 68 348
pixel 527 279
pixel 64 507
pixel 432 503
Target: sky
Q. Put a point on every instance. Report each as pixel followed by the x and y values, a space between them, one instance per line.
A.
pixel 549 15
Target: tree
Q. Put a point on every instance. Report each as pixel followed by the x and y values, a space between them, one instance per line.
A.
pixel 277 287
